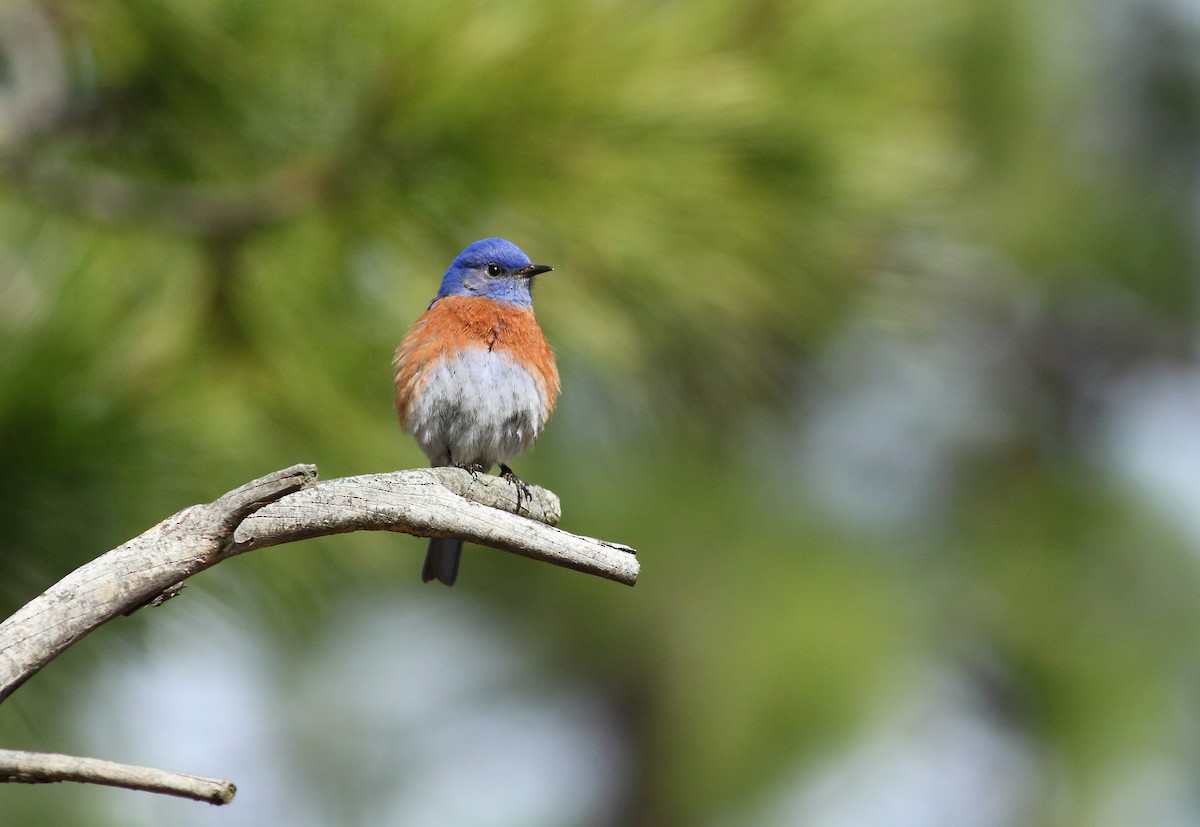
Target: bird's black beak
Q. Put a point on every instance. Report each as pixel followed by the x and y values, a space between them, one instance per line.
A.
pixel 531 270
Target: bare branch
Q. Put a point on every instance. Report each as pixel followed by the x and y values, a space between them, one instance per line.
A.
pixel 281 507
pixel 437 502
pixel 130 576
pixel 48 767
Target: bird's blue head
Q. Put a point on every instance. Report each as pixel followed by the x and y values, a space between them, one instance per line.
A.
pixel 494 268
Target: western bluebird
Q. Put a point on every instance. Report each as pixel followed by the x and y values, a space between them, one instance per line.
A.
pixel 475 379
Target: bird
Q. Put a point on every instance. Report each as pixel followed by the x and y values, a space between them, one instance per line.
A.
pixel 476 380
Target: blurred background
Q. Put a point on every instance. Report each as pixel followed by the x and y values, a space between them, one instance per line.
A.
pixel 878 331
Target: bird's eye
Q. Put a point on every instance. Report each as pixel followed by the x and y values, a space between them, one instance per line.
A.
pixel 494 270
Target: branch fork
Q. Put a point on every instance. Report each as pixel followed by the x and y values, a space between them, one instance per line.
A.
pixel 281 507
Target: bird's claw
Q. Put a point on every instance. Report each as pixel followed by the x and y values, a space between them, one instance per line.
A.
pixel 473 468
pixel 523 492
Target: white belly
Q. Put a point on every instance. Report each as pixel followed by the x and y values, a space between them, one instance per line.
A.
pixel 479 407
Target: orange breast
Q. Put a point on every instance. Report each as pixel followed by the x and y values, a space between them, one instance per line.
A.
pixel 457 322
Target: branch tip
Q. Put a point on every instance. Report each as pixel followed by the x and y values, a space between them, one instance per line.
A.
pixel 48 768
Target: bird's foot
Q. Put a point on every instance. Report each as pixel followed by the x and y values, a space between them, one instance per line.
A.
pixel 523 492
pixel 472 468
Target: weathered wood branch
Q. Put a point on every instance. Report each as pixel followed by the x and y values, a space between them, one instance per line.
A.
pixel 48 767
pixel 437 502
pixel 131 575
pixel 284 507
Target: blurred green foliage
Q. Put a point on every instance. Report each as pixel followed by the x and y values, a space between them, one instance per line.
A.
pixel 217 225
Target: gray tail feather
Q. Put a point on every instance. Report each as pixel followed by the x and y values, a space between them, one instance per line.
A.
pixel 441 561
